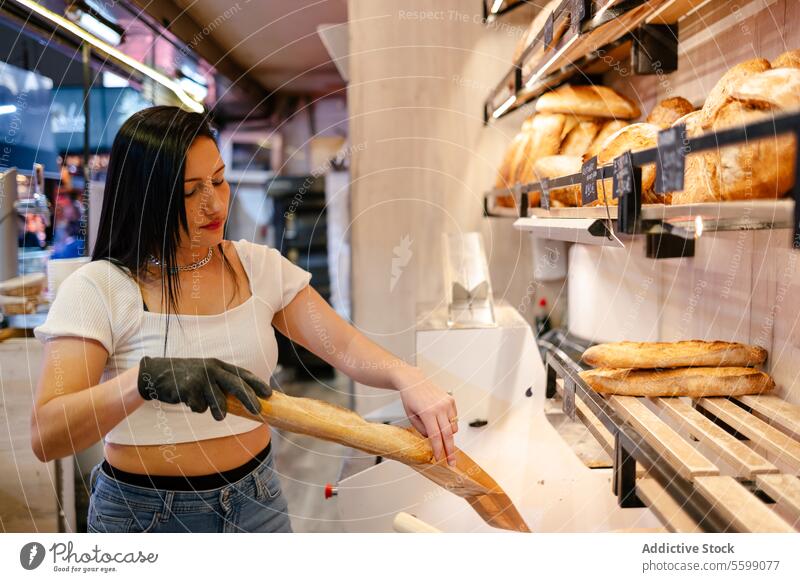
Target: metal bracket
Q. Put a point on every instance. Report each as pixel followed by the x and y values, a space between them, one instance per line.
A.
pixel 624 484
pixel 655 49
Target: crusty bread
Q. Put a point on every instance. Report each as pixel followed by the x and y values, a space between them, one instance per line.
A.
pixel 721 93
pixel 700 175
pixel 557 166
pixel 544 139
pixel 580 137
pixel 610 127
pixel 593 100
pixel 761 168
pixel 511 157
pixel 789 59
pixel 776 87
pixel 668 111
pixel 692 382
pixel 634 137
pixel 535 26
pixel 673 354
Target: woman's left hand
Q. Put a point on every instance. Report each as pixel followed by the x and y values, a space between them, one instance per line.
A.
pixel 431 410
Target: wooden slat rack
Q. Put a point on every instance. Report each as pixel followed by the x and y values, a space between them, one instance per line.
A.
pixel 713 465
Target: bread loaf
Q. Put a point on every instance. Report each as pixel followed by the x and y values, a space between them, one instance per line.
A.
pixel 555 167
pixel 592 100
pixel 757 169
pixel 634 137
pixel 700 182
pixel 669 111
pixel 544 139
pixel 535 26
pixel 779 88
pixel 673 354
pixel 789 59
pixel 721 93
pixel 580 137
pixel 608 129
pixel 692 382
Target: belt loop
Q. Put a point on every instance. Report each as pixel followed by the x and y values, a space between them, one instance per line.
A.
pixel 169 497
pixel 258 480
pixel 224 499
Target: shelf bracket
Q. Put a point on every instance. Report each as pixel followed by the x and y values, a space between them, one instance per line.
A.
pixel 655 49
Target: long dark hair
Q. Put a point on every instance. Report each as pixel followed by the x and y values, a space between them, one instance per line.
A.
pixel 143 202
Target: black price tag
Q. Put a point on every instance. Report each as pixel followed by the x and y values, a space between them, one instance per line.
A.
pixel 589 181
pixel 544 201
pixel 623 175
pixel 671 159
pixel 548 31
pixel 576 15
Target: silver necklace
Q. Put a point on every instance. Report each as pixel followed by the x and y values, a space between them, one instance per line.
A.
pixel 194 266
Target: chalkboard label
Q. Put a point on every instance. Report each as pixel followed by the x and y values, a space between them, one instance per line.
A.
pixel 548 31
pixel 623 175
pixel 577 14
pixel 589 181
pixel 544 201
pixel 671 159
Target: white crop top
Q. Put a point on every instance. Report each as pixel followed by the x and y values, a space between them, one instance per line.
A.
pixel 101 302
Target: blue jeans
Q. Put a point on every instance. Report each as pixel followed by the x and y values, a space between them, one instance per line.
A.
pixel 255 503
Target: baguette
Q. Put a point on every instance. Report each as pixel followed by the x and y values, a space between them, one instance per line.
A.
pixel 673 354
pixel 666 113
pixel 592 100
pixel 692 382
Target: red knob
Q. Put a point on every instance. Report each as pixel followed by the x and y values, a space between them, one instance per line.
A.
pixel 329 491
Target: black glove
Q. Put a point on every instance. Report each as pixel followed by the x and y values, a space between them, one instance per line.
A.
pixel 200 383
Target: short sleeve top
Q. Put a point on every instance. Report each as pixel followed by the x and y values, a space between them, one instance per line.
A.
pixel 100 301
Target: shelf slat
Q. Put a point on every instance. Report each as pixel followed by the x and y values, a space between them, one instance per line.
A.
pixel 784 489
pixel 689 462
pixel 665 508
pixel 767 437
pixel 746 512
pixel 746 462
pixel 779 413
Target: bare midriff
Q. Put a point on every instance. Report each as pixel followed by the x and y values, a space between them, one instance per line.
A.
pixel 189 459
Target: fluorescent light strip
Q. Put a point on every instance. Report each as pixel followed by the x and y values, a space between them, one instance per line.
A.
pixel 504 107
pixel 114 53
pixel 7 109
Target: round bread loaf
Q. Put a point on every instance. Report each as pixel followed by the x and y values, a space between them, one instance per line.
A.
pixel 593 100
pixel 669 111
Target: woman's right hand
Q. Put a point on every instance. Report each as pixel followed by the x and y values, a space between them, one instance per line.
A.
pixel 200 383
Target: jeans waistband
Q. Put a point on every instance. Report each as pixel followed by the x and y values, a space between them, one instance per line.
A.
pixel 188 483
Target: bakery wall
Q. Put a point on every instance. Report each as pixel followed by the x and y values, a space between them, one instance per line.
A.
pixel 739 286
pixel 422 159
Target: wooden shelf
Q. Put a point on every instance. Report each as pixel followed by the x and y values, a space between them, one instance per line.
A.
pixel 692 467
pixel 603 40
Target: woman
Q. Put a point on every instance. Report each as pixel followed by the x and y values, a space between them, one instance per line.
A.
pixel 144 343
